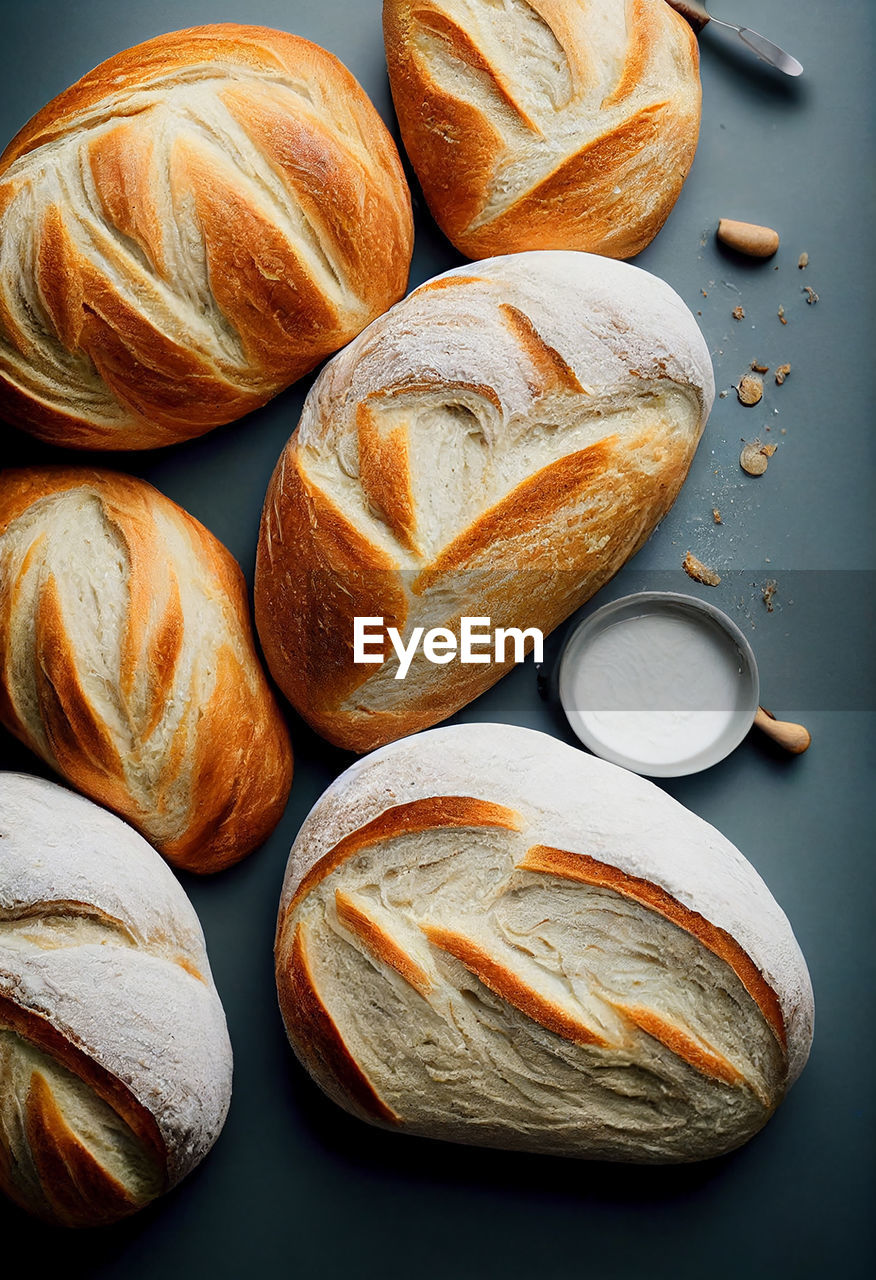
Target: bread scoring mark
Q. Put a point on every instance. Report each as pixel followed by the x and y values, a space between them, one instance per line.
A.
pixel 642 32
pixel 703 1058
pixel 78 1189
pixel 442 42
pixel 509 987
pixel 607 158
pixel 530 504
pixel 328 1056
pixel 49 925
pixel 582 868
pixel 432 812
pixel 123 166
pixel 554 374
pixel 384 473
pixel 185 963
pixel 449 282
pixel 82 745
pixel 414 386
pixel 379 944
pixel 36 1029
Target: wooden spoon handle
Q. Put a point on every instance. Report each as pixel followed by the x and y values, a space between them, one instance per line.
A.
pixel 793 737
pixel 693 13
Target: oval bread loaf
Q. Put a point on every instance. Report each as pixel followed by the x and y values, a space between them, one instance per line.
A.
pixel 496 446
pixel 490 937
pixel 186 230
pixel 127 662
pixel 547 124
pixel 115 1065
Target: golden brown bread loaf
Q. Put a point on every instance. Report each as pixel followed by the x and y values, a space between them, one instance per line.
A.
pixel 188 229
pixel 115 1065
pixel 127 662
pixel 497 445
pixel 545 124
pixel 491 937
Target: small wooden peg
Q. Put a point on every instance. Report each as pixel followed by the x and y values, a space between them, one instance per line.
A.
pixel 793 737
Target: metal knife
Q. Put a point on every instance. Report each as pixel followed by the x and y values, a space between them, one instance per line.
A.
pixel 696 15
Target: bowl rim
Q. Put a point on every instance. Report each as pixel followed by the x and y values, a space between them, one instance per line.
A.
pixel 653 601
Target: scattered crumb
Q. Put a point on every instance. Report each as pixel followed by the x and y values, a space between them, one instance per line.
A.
pixel 703 292
pixel 782 373
pixel 781 314
pixel 803 260
pixel 811 295
pixel 750 390
pixel 784 431
pixel 716 516
pixel 737 313
pixel 760 368
pixel 755 456
pixel 695 569
pixel 769 590
pixel 722 395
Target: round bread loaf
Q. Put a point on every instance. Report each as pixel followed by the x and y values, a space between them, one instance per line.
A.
pixel 188 229
pixel 490 937
pixel 547 124
pixel 115 1065
pixel 127 662
pixel 496 446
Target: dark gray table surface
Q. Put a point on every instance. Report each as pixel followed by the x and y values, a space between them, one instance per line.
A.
pixel 294 1184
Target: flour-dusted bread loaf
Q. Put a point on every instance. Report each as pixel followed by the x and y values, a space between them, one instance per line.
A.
pixel 552 124
pixel 490 937
pixel 115 1065
pixel 127 662
pixel 496 446
pixel 186 230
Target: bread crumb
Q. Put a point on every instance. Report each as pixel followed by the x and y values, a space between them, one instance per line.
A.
pixel 695 569
pixel 755 457
pixel 803 260
pixel 760 368
pixel 811 295
pixel 781 314
pixel 769 590
pixel 782 373
pixel 716 516
pixel 737 313
pixel 750 390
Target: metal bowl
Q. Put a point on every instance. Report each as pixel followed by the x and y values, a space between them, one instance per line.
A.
pixel 672 694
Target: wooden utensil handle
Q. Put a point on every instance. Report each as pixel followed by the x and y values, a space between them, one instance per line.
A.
pixel 693 13
pixel 793 737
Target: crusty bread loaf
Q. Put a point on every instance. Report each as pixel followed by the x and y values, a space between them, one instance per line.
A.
pixel 186 230
pixel 496 446
pixel 127 662
pixel 115 1065
pixel 545 124
pixel 488 936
